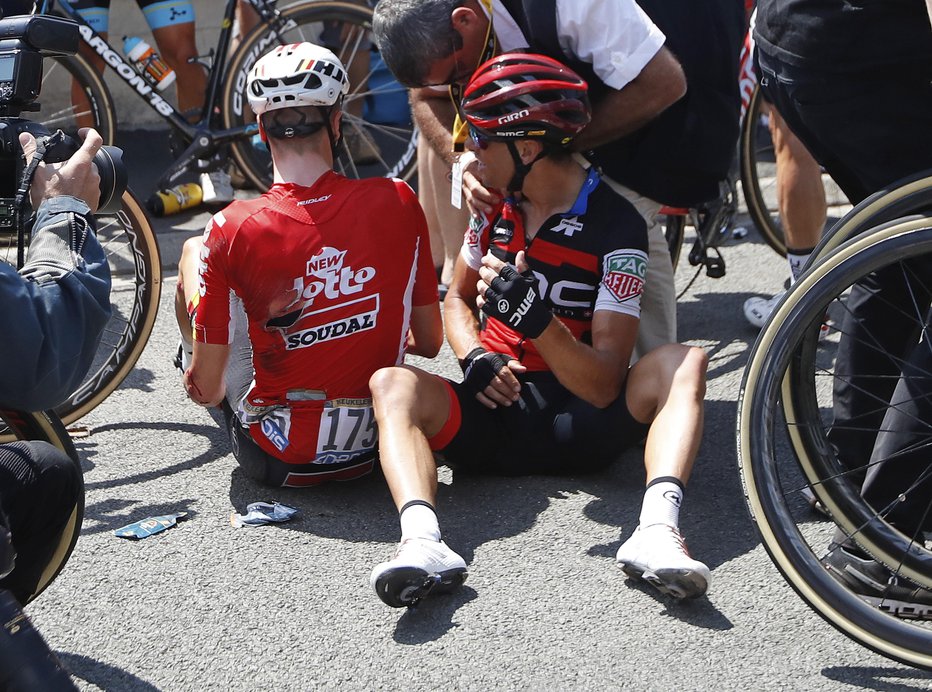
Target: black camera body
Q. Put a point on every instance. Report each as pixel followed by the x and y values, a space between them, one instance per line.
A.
pixel 24 42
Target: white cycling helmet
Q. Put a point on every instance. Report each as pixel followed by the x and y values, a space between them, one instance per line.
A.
pixel 299 74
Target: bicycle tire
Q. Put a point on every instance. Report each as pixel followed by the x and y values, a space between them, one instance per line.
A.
pixel 56 110
pixel 45 426
pixel 758 176
pixel 773 474
pixel 396 143
pixel 132 252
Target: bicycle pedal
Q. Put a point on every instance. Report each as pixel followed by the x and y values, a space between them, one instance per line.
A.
pixel 714 267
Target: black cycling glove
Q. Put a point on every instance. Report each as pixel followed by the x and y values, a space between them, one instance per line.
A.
pixel 480 367
pixel 512 298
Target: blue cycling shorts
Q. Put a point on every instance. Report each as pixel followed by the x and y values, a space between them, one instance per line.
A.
pixel 158 13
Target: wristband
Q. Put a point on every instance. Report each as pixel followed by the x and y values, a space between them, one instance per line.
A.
pixel 512 298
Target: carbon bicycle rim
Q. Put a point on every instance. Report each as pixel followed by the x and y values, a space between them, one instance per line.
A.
pixel 382 141
pixel 132 252
pixel 45 426
pixel 775 475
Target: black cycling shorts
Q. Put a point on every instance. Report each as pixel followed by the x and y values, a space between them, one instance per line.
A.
pixel 547 431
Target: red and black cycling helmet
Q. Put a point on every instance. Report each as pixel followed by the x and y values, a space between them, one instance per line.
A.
pixel 518 95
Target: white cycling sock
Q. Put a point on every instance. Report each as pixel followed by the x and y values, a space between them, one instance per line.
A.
pixel 797 260
pixel 661 503
pixel 418 520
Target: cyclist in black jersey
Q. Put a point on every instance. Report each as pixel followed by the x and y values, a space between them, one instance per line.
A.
pixel 557 269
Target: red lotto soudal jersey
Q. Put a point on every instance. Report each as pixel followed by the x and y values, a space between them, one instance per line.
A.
pixel 328 275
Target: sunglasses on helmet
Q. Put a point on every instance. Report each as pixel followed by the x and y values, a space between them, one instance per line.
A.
pixel 480 140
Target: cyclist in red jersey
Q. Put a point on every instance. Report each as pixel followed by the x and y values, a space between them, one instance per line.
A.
pixel 558 269
pixel 332 277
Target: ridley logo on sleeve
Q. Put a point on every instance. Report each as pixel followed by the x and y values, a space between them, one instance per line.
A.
pixel 624 274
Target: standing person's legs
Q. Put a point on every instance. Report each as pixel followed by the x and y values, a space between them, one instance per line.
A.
pixel 178 47
pixel 446 223
pixel 658 302
pixel 801 202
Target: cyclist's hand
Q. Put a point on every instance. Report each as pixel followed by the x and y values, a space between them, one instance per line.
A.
pixel 510 294
pixel 479 198
pixel 491 377
pixel 76 177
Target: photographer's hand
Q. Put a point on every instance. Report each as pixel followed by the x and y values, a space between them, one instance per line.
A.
pixel 76 177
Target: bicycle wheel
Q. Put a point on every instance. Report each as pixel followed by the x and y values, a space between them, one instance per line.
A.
pixel 73 96
pixel 135 267
pixel 376 117
pixel 45 426
pixel 775 475
pixel 758 176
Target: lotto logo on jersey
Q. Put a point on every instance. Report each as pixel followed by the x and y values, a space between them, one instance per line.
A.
pixel 624 274
pixel 326 275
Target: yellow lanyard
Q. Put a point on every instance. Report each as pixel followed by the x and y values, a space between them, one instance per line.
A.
pixel 460 127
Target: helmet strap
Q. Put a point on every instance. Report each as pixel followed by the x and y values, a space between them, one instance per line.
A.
pixel 521 168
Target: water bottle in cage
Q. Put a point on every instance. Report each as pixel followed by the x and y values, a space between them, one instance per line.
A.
pixel 148 62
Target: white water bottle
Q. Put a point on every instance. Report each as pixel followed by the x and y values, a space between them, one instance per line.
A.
pixel 147 61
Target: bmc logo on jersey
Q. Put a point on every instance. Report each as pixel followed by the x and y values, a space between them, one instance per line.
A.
pixel 624 274
pixel 332 278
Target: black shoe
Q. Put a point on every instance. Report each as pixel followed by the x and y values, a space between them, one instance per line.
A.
pixel 878 586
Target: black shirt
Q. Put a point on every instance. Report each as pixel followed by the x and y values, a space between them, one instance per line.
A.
pixel 845 35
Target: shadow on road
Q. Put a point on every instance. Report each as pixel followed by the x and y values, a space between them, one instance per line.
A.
pixel 886 679
pixel 102 675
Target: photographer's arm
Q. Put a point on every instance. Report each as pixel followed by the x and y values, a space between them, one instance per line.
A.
pixel 56 307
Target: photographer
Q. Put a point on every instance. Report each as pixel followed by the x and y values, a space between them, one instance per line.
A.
pixel 59 303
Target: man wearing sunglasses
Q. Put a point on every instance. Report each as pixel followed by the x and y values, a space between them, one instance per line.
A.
pixel 558 270
pixel 656 140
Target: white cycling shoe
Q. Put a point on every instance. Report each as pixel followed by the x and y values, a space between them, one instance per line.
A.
pixel 421 567
pixel 658 555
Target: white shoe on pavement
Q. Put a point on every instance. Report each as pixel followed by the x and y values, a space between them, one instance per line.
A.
pixel 757 309
pixel 421 567
pixel 216 187
pixel 658 555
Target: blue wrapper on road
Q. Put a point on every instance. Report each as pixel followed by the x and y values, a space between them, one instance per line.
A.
pixel 146 527
pixel 259 513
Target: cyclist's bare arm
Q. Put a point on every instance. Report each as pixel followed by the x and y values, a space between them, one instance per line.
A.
pixel 203 381
pixel 425 336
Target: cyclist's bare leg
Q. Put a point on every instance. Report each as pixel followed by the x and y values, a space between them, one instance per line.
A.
pixel 800 194
pixel 177 46
pixel 666 388
pixel 410 406
pixel 246 19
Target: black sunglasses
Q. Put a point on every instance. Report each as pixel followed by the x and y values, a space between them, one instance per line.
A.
pixel 479 139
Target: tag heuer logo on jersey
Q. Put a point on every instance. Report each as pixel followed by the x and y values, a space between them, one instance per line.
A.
pixel 568 226
pixel 624 274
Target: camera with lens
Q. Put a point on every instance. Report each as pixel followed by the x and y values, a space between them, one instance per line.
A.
pixel 24 41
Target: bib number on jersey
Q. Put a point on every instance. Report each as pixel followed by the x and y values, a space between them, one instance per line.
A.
pixel 345 433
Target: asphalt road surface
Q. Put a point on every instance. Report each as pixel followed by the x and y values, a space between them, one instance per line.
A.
pixel 205 606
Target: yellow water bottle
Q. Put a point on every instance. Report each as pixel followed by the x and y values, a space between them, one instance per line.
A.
pixel 174 199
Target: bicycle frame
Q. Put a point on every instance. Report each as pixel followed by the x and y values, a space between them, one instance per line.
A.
pixel 204 135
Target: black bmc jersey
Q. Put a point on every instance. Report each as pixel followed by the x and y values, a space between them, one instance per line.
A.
pixel 592 257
